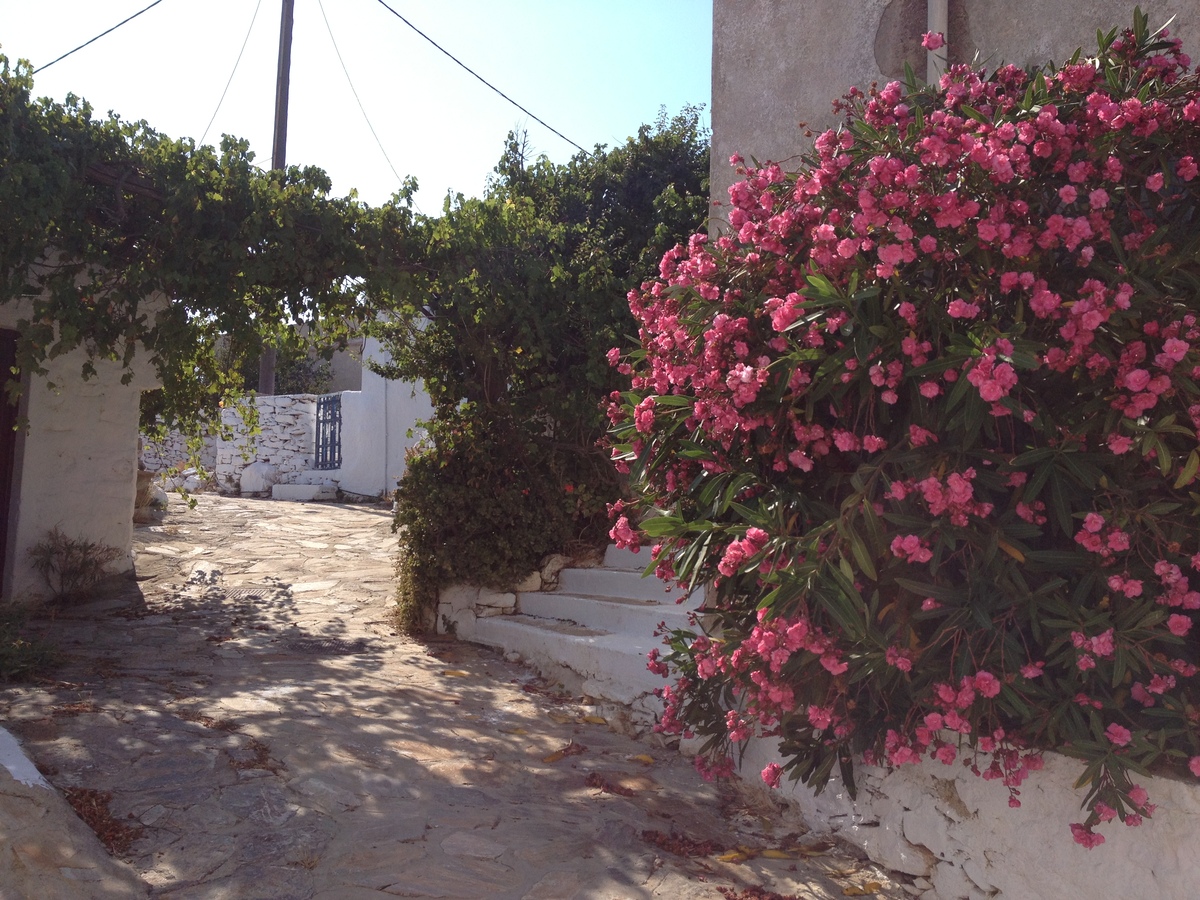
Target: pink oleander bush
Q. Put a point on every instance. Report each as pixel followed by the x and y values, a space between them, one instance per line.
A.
pixel 926 418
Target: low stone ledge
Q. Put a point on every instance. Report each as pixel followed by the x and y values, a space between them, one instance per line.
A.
pixel 303 492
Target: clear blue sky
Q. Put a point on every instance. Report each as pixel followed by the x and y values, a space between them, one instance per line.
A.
pixel 593 69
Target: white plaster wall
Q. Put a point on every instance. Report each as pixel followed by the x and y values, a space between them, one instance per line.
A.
pixel 957 830
pixel 376 426
pixel 777 63
pixel 346 368
pixel 75 464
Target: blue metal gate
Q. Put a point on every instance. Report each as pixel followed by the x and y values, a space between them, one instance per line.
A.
pixel 329 432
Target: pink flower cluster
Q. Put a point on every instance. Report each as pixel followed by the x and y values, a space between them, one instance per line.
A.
pixel 952 496
pixel 965 336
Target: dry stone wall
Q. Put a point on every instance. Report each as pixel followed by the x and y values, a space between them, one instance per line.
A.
pixel 284 448
pixel 172 453
pixel 287 426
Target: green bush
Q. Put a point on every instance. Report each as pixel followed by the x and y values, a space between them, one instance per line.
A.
pixel 483 501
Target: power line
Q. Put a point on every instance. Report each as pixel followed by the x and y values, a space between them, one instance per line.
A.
pixel 97 37
pixel 236 63
pixel 367 118
pixel 480 77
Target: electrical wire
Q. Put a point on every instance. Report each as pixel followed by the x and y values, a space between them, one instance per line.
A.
pixel 97 37
pixel 480 77
pixel 236 63
pixel 362 109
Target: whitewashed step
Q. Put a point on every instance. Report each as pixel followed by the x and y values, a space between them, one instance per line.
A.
pixel 615 614
pixel 602 582
pixel 618 558
pixel 610 667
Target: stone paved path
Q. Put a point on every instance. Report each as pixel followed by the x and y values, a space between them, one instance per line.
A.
pixel 265 734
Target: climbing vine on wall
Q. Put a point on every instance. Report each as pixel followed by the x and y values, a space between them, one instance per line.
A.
pixel 123 242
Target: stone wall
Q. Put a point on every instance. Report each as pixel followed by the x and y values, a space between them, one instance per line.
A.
pixel 286 442
pixel 172 453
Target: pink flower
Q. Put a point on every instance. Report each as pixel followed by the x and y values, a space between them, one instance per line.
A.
pixel 1155 182
pixel 1084 836
pixel 1137 380
pixel 1179 625
pixel 820 717
pixel 933 40
pixel 771 774
pixel 1118 734
pixel 960 309
pixel 987 684
pixel 898 658
pixel 624 536
pixel 1194 765
pixel 911 548
pixel 1119 443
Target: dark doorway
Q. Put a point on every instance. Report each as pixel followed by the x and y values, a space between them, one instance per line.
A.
pixel 8 437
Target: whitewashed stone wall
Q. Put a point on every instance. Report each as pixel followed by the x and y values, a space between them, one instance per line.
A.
pixel 172 453
pixel 956 833
pixel 287 440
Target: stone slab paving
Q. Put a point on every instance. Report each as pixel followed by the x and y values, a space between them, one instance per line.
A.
pixel 258 730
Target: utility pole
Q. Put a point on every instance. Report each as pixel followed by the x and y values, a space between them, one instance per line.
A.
pixel 266 362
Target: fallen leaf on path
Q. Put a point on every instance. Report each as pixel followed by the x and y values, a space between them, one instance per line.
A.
pixel 602 784
pixel 754 893
pixel 572 749
pixel 517 730
pixel 92 806
pixel 562 718
pixel 738 854
pixel 644 758
pixel 595 720
pixel 551 695
pixel 456 673
pixel 681 845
